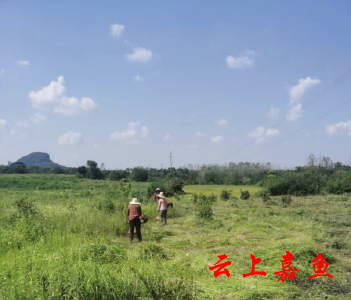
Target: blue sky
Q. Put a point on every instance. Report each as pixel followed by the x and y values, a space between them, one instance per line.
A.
pixel 126 82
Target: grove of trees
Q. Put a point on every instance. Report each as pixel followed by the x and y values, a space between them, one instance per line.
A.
pixel 317 176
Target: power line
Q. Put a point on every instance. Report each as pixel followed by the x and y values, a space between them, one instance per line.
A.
pixel 315 120
pixel 331 86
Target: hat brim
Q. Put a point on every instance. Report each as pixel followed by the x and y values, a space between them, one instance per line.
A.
pixel 135 203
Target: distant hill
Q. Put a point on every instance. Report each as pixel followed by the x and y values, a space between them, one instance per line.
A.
pixel 39 159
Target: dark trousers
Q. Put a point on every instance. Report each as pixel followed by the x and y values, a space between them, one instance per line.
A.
pixel 134 223
pixel 163 216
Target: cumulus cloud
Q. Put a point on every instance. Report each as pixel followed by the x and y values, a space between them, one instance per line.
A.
pixel 70 138
pixel 222 122
pixel 23 62
pixel 295 93
pixel 298 90
pixel 216 139
pixel 339 128
pixel 139 54
pixel 199 135
pixel 240 62
pixel 167 137
pixel 116 30
pixel 72 106
pixel 131 133
pixel 3 123
pixel 138 78
pixel 260 134
pixel 37 117
pixel 54 96
pixel 144 132
pixel 274 112
pixel 295 112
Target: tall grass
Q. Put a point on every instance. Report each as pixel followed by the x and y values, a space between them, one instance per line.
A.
pixel 71 243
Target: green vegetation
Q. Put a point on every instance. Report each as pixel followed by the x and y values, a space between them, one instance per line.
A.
pixel 65 238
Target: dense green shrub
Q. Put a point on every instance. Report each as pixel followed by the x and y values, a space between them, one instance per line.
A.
pixel 286 200
pixel 265 195
pixel 203 205
pixel 245 195
pixel 225 195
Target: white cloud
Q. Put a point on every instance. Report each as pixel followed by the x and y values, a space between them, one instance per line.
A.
pixel 37 117
pixel 139 54
pixel 298 90
pixel 131 133
pixel 96 146
pixel 16 134
pixel 222 122
pixel 199 135
pixel 216 139
pixel 295 93
pixel 116 30
pixel 274 112
pixel 2 72
pixel 240 62
pixel 72 106
pixel 138 78
pixel 167 137
pixel 339 128
pixel 22 124
pixel 144 132
pixel 53 95
pixel 23 62
pixel 3 123
pixel 295 112
pixel 260 134
pixel 70 138
pixel 48 95
pixel 194 146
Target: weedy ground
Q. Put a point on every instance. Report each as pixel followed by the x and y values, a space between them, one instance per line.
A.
pixel 65 238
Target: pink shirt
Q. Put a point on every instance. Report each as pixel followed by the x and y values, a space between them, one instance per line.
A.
pixel 162 204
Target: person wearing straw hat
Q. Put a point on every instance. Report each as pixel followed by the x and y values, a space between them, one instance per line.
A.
pixel 154 196
pixel 133 215
pixel 162 207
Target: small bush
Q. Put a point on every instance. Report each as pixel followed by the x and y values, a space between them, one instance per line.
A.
pixel 225 195
pixel 205 211
pixel 107 205
pixel 245 195
pixel 212 198
pixel 26 208
pixel 265 195
pixel 203 205
pixel 286 200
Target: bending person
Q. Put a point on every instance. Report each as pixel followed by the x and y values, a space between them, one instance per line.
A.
pixel 133 215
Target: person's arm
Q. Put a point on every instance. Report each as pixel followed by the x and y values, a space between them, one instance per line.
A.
pixel 139 211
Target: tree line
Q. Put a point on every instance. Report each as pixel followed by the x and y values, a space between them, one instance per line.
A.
pixel 318 175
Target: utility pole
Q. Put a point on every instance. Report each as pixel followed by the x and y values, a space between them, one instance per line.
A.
pixel 170 160
pixel 161 166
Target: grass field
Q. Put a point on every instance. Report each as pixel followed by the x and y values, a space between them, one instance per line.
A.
pixel 74 246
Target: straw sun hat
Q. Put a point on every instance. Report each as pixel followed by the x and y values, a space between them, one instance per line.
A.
pixel 135 201
pixel 161 195
pixel 158 189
